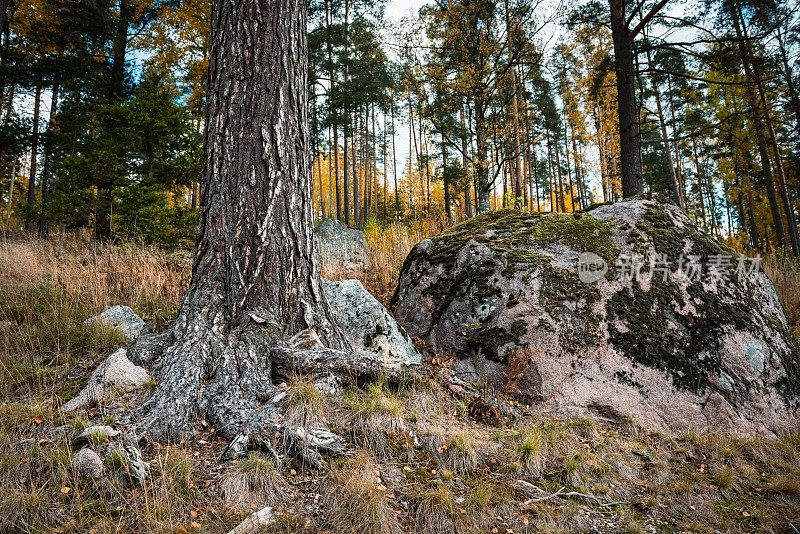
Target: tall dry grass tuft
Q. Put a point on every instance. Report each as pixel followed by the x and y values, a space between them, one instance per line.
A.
pixel 388 247
pixel 784 272
pixel 47 291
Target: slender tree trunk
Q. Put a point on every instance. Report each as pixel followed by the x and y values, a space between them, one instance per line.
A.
pixel 481 158
pixel 601 148
pixel 629 138
pixel 349 128
pixel 758 126
pixel 518 170
pixel 366 164
pixel 334 114
pixel 105 189
pixel 788 77
pixel 569 167
pixel 10 204
pixel 409 177
pixel 673 179
pixel 385 149
pixel 445 183
pixel 44 222
pixel 699 184
pixel 783 190
pixel 120 50
pixel 345 174
pixel 30 222
pixel 679 175
pixel 465 165
pixel 551 174
pixel 751 213
pixel 394 168
pixel 356 180
pixel 535 181
pixel 255 281
pixel 336 172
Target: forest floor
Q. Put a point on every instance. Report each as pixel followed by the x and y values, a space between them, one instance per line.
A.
pixel 531 474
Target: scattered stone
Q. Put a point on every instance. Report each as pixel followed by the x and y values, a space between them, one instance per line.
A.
pixel 88 464
pixel 122 318
pixel 95 434
pixel 342 251
pixel 255 522
pixel 236 448
pixel 566 311
pixel 115 375
pixel 330 384
pixel 135 465
pixel 369 325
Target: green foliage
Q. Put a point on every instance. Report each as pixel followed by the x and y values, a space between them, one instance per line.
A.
pixel 131 161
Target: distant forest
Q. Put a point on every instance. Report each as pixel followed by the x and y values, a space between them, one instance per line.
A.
pixel 469 106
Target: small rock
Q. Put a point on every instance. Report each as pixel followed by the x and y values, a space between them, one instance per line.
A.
pixel 342 251
pixel 255 522
pixel 368 324
pixel 115 375
pixel 95 434
pixel 88 464
pixel 137 467
pixel 122 318
pixel 237 448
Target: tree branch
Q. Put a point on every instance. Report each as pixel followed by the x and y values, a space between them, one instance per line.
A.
pixel 643 22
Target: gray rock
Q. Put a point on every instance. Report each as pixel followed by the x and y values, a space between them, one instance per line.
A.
pixel 547 308
pixel 369 325
pixel 115 375
pixel 95 434
pixel 122 318
pixel 342 251
pixel 255 522
pixel 88 464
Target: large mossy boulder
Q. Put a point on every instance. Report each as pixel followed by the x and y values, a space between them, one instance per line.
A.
pixel 623 311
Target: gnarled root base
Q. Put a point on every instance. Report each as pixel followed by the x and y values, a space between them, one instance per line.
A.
pixel 229 381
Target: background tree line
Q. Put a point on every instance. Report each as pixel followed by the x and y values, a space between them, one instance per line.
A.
pixel 469 106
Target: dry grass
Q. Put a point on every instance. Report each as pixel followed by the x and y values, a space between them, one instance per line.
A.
pixel 376 418
pixel 253 483
pixel 532 450
pixel 388 247
pixel 304 404
pixel 357 498
pixel 785 275
pixel 457 481
pixel 47 291
pixel 435 512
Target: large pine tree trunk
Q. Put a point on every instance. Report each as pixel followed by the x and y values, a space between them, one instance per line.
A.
pixel 255 282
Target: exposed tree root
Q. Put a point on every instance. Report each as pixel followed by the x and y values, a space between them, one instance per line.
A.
pixel 229 381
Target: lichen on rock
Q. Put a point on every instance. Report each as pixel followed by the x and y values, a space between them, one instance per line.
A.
pixel 647 338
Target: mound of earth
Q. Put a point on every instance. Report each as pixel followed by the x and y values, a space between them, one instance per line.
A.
pixel 623 311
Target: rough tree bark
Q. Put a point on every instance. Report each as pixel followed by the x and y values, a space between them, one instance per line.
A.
pixel 255 286
pixel 630 141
